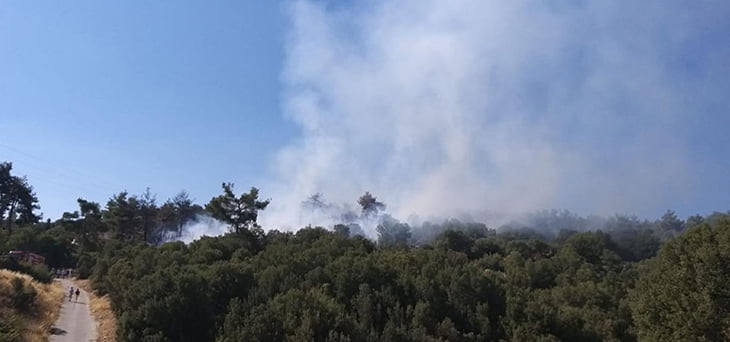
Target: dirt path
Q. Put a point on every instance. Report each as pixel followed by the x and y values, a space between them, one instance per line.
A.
pixel 75 323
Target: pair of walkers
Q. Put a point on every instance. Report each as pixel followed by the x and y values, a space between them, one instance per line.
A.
pixel 71 293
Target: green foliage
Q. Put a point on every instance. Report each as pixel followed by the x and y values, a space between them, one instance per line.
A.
pixel 18 202
pixel 548 276
pixel 240 212
pixel 155 298
pixel 54 244
pixel 317 285
pixel 139 218
pixel 174 213
pixel 392 233
pixel 669 225
pixel 22 295
pixel 38 272
pixel 122 213
pixel 684 293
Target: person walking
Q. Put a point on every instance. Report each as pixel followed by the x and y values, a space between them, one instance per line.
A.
pixel 77 295
pixel 70 293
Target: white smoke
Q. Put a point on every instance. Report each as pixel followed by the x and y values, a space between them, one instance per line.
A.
pixel 199 227
pixel 444 108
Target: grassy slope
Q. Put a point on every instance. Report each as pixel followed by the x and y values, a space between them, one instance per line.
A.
pixel 34 325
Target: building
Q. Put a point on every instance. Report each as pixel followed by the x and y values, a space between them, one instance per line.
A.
pixel 27 257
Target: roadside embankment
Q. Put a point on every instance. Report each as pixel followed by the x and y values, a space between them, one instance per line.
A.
pixel 28 308
pixel 101 309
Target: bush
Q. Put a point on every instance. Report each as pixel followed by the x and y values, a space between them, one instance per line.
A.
pixel 684 294
pixel 8 332
pixel 85 265
pixel 38 272
pixel 22 297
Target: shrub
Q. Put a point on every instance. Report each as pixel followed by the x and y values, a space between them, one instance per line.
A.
pixel 22 296
pixel 8 332
pixel 38 272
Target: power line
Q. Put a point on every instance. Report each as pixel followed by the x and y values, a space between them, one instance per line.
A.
pixel 61 173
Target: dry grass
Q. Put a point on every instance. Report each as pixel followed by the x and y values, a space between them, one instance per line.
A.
pixel 101 309
pixel 33 326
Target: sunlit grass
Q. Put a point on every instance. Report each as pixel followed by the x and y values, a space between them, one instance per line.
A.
pixel 34 325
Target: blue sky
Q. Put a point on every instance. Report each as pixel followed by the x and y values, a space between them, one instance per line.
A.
pixel 99 97
pixel 594 107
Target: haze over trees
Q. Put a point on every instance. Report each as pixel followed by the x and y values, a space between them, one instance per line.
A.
pixel 370 205
pixel 545 276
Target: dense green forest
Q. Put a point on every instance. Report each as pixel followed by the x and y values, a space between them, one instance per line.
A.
pixel 550 276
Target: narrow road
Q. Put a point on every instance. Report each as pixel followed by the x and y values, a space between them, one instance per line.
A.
pixel 75 323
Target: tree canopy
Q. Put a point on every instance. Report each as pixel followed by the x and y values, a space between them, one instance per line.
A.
pixel 370 205
pixel 545 276
pixel 18 202
pixel 240 212
pixel 684 293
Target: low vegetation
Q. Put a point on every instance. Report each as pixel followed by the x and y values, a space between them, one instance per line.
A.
pixel 28 308
pixel 465 286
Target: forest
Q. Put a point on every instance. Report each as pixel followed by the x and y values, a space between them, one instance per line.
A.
pixel 549 276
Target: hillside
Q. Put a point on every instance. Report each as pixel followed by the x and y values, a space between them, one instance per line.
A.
pixel 465 285
pixel 27 308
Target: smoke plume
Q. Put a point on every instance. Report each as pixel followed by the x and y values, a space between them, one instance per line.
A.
pixel 451 108
pixel 199 227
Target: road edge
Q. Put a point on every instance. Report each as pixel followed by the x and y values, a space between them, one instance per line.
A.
pixel 100 308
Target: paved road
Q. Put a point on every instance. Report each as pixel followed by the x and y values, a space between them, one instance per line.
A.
pixel 75 323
